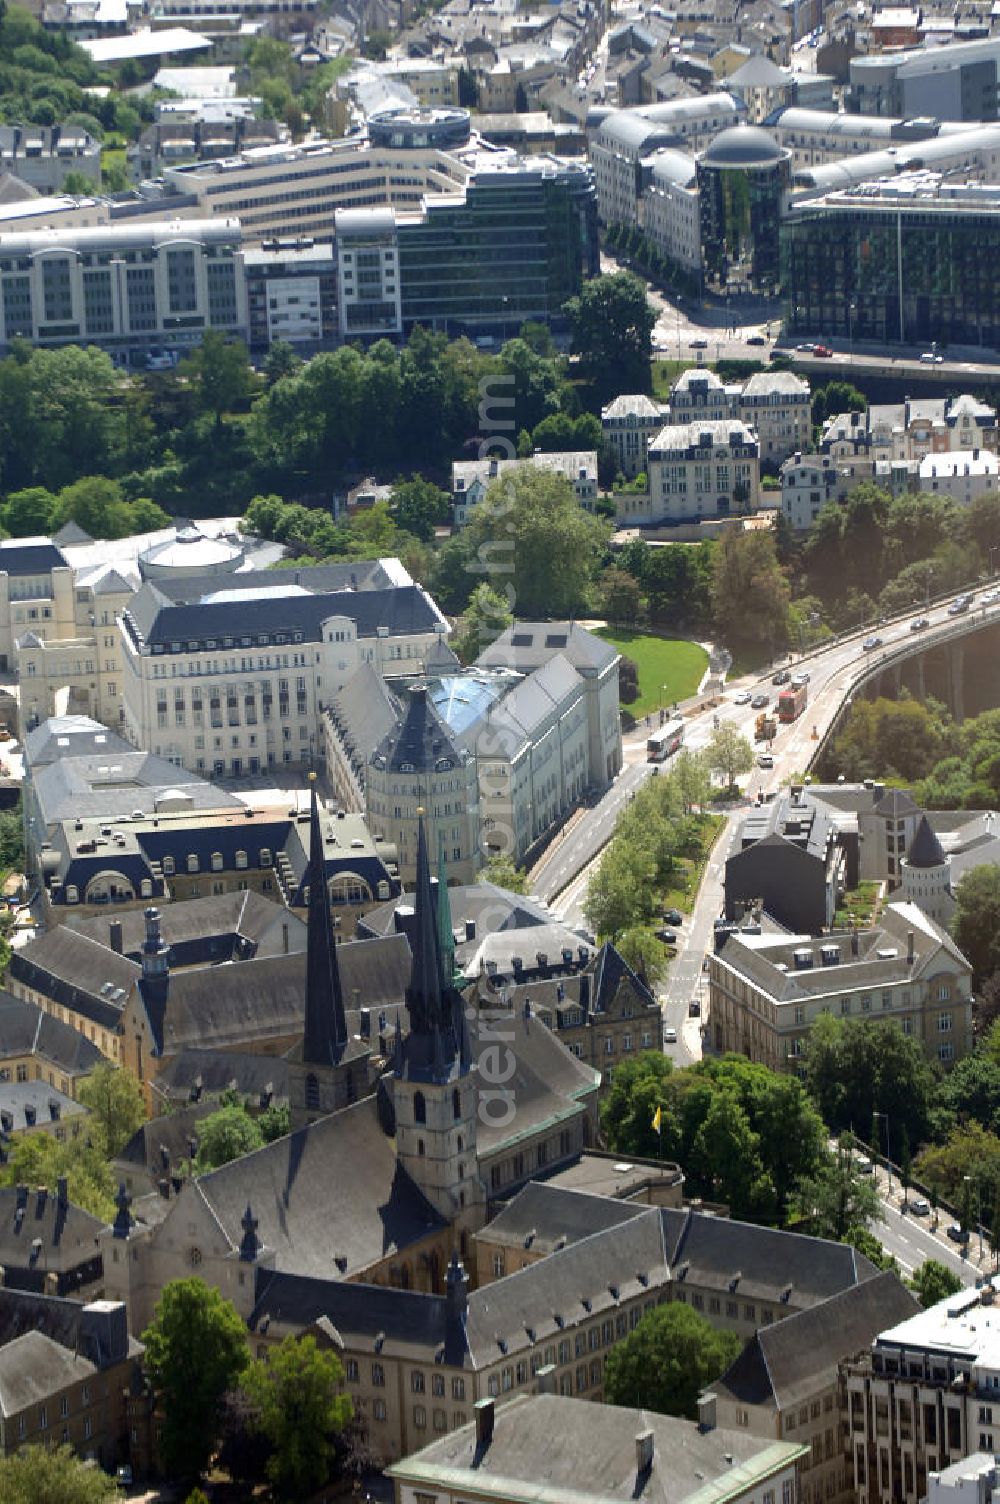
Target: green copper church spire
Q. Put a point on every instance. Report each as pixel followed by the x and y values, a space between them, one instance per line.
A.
pixel 446 933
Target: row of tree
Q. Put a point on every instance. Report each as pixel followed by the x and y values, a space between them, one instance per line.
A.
pixel 950 764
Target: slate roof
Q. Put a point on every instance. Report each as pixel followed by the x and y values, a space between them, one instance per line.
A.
pixel 422 738
pixel 896 804
pixel 76 972
pixel 153 619
pixel 69 736
pixel 330 1191
pixel 785 1363
pixel 925 848
pixel 516 719
pixel 108 781
pixel 223 1007
pixel 217 1071
pixel 30 556
pixel 527 644
pixel 68 1234
pixel 787 1268
pixel 27 1104
pixel 26 1029
pixel 365 711
pixel 547 1448
pixel 34 1368
pixel 544 1217
pixel 409 1324
pixel 318 579
pixel 549 1084
pixel 219 927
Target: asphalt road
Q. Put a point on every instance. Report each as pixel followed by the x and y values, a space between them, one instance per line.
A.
pixel 561 878
pixel 911 1240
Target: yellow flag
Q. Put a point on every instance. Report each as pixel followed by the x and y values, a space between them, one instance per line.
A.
pixel 657 1120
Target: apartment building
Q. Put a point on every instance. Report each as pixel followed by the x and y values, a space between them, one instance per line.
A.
pixel 924 1397
pixel 670 215
pixel 699 471
pixel 123 286
pixel 627 425
pixel 235 679
pixel 43 155
pixel 36 593
pixel 622 139
pixel 766 989
pixel 470 479
pixel 291 294
pixel 808 482
pixel 777 405
pixel 961 475
pixel 83 657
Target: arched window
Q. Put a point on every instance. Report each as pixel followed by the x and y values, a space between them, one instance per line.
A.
pixel 456 1103
pixel 312 1093
pixel 419 1109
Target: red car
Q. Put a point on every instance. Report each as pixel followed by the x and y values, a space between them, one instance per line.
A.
pixel 823 350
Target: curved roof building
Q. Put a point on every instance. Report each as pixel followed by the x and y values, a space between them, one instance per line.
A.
pixel 190 552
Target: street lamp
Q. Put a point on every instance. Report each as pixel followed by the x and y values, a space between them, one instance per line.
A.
pixel 968 1179
pixel 888 1143
pixel 994 547
pixel 852 310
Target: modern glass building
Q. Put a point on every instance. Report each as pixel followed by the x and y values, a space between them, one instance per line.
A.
pixel 910 260
pixel 743 176
pixel 514 246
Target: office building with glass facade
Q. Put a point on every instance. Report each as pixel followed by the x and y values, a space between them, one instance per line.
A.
pixel 743 177
pixel 902 260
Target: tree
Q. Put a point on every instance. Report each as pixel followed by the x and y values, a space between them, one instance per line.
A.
pixel 838 1199
pixel 749 591
pixel 628 1111
pixel 728 752
pixel 857 1067
pixel 613 323
pixel 667 1361
pixel 225 1135
pixel 196 1350
pixel 419 507
pixel 932 1282
pixel 976 922
pixel 41 1159
pixel 628 680
pixel 298 1391
pixel 692 776
pixel 484 618
pixel 531 535
pixel 221 370
pixel 502 871
pixel 619 892
pixel 280 360
pixel 621 596
pixel 30 512
pixel 53 1475
pixel 640 949
pixel 115 1099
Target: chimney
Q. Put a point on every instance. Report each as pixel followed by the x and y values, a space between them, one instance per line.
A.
pixel 494 466
pixel 116 938
pixel 284 939
pixel 909 948
pixel 644 1449
pixel 43 1196
pixel 104 1330
pixel 485 1416
pixel 706 1412
pixel 585 993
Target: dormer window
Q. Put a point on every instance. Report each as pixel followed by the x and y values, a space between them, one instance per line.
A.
pixel 216 861
pixel 192 863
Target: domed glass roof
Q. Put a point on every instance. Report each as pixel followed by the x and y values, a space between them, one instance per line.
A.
pixel 742 146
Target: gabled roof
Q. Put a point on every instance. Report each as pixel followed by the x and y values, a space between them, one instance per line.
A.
pixel 543 1218
pixel 528 644
pixel 77 972
pixel 66 1235
pixel 28 1030
pixel 398 1323
pixel 19 556
pixel 785 1363
pixel 896 804
pixel 332 1191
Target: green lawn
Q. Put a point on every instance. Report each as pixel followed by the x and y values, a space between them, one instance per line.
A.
pixel 860 906
pixel 669 668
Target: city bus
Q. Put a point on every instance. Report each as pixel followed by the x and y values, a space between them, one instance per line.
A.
pixel 665 742
pixel 792 701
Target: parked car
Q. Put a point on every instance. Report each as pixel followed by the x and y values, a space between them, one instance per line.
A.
pixel 668 937
pixel 756 339
pixel 920 623
pixel 806 348
pixel 673 916
pixel 759 702
pixel 781 677
pixel 670 1036
pixel 698 344
pixel 871 643
pixel 823 350
pixel 920 1206
pixel 765 760
pixel 743 697
pixel 956 1233
pixel 863 1164
pixel 990 598
pixel 929 358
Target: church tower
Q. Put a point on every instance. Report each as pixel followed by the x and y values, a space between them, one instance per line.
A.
pixel 328 1070
pixel 434 1093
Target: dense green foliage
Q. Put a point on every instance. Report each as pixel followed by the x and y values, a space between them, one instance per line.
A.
pixel 951 765
pixel 301 1408
pixel 612 323
pixel 933 1282
pixel 196 1350
pixel 116 1103
pixel 667 1361
pixel 857 1067
pixel 53 1475
pixel 744 1134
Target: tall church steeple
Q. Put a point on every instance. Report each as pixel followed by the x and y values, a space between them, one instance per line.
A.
pixel 433 1046
pixel 445 925
pixel 325 1036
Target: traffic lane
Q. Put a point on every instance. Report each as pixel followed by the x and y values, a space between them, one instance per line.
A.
pixel 588 835
pixel 911 1242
